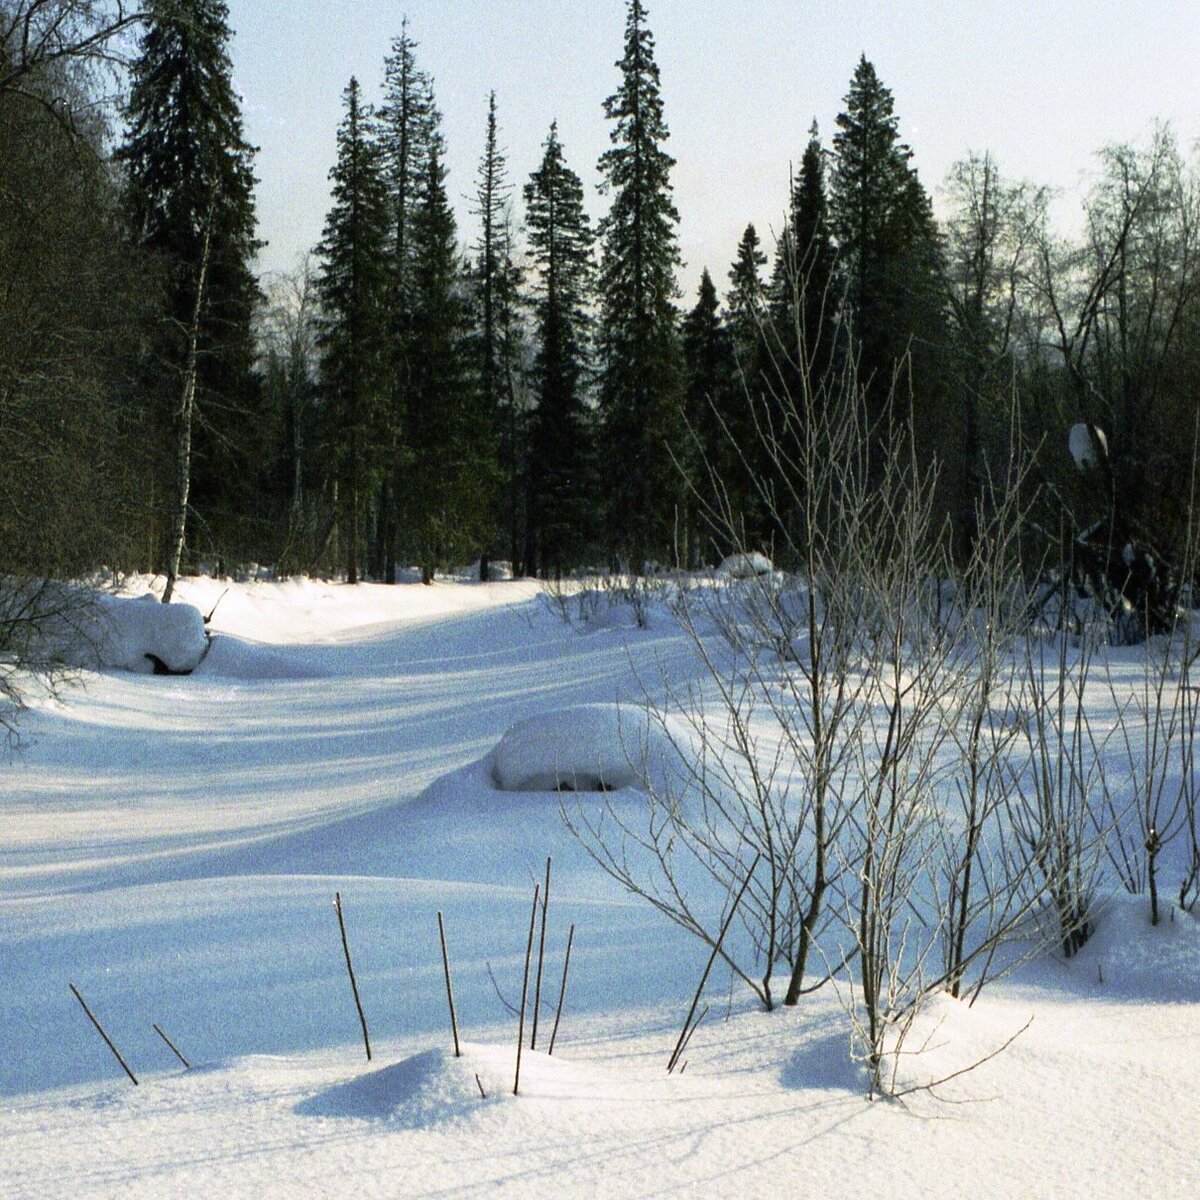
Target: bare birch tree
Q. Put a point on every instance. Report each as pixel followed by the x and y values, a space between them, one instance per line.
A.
pixel 185 417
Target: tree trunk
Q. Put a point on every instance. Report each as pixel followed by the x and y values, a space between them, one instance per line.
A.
pixel 187 406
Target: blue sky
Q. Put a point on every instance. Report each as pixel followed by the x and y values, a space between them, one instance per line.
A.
pixel 1042 84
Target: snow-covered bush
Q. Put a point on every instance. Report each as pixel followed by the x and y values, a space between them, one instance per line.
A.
pixel 140 635
pixel 745 565
pixel 29 610
pixel 613 601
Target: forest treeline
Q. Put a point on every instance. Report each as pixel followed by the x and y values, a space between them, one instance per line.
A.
pixel 543 394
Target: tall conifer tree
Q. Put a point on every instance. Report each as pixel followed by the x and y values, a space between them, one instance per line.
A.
pixel 750 403
pixel 640 383
pixel 887 241
pixel 803 303
pixel 353 335
pixel 496 282
pixel 560 247
pixel 408 124
pixel 190 184
pixel 714 402
pixel 805 315
pixel 447 450
pixel 746 302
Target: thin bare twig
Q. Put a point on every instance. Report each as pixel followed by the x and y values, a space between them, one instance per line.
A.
pixel 537 989
pixel 563 990
pixel 100 1030
pixel 449 989
pixel 337 904
pixel 712 958
pixel 174 1049
pixel 525 987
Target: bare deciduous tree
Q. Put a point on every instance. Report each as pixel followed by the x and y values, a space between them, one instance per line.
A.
pixel 39 36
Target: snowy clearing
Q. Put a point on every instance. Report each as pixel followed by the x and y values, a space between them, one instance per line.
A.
pixel 172 847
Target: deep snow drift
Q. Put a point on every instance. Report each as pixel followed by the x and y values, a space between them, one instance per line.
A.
pixel 172 847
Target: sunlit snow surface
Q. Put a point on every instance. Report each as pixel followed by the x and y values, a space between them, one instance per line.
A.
pixel 172 846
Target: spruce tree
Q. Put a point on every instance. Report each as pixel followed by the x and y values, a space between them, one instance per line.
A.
pixel 746 304
pixel 353 336
pixel 190 185
pixel 714 402
pixel 640 381
pixel 446 448
pixel 803 303
pixel 560 249
pixel 887 242
pixel 751 404
pixel 803 331
pixel 497 281
pixel 407 126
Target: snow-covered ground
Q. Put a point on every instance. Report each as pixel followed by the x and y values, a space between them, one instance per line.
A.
pixel 172 846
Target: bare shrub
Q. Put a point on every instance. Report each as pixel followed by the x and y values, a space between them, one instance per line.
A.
pixel 37 619
pixel 1056 843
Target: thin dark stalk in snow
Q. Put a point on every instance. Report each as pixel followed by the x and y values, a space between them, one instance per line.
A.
pixel 449 988
pixel 688 1039
pixel 525 987
pixel 337 904
pixel 537 989
pixel 100 1030
pixel 562 991
pixel 174 1049
pixel 712 958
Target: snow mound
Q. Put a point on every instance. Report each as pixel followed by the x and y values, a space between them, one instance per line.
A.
pixel 434 1086
pixel 584 748
pixel 137 632
pixel 745 566
pixel 1127 957
pixel 140 635
pixel 236 658
pixel 413 1093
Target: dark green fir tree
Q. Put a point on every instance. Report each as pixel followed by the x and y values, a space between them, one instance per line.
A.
pixel 641 385
pixel 561 468
pixel 496 295
pixel 889 252
pixel 190 202
pixel 715 404
pixel 353 288
pixel 746 307
pixel 408 124
pixel 803 290
pixel 449 455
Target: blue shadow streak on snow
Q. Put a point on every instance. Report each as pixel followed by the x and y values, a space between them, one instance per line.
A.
pixel 241 966
pixel 824 1062
pixel 391 712
pixel 228 938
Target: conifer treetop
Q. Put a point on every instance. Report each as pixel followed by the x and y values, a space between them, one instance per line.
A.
pixel 639 231
pixel 185 149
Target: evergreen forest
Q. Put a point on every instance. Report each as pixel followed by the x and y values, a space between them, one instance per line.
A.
pixel 536 391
